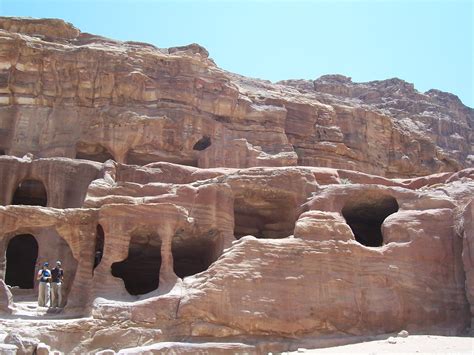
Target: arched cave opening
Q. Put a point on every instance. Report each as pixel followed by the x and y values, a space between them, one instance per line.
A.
pixel 22 252
pixel 365 214
pixel 141 270
pixel 94 152
pixel 203 143
pixel 99 245
pixel 264 215
pixel 191 257
pixel 30 192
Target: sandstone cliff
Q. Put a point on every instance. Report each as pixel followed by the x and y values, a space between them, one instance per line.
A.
pixel 198 211
pixel 76 95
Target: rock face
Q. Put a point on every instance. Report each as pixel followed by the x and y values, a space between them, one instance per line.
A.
pixel 76 95
pixel 195 210
pixel 468 254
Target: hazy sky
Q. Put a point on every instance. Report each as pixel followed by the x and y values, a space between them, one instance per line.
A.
pixel 428 43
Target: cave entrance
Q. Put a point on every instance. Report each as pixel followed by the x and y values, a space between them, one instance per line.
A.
pixel 2 152
pixel 365 214
pixel 99 245
pixel 192 256
pixel 264 215
pixel 22 252
pixel 203 143
pixel 94 152
pixel 30 192
pixel 141 270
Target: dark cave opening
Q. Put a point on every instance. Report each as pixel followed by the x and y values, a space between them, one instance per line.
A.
pixel 140 271
pixel 203 143
pixel 2 152
pixel 95 152
pixel 264 216
pixel 192 257
pixel 22 252
pixel 30 192
pixel 365 215
pixel 99 245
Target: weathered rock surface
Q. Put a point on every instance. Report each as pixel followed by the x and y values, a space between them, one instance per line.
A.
pixel 468 253
pixel 195 210
pixel 6 298
pixel 304 273
pixel 72 94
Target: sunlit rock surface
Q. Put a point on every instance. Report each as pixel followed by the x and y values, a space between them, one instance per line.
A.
pixel 196 210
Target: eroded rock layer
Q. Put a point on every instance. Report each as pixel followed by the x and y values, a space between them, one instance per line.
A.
pixel 76 95
pixel 195 210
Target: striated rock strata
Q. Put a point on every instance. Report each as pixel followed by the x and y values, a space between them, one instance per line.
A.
pixel 195 210
pixel 76 95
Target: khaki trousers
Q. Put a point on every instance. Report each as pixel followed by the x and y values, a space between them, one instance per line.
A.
pixel 56 294
pixel 43 294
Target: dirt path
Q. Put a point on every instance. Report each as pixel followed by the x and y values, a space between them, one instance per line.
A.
pixel 414 344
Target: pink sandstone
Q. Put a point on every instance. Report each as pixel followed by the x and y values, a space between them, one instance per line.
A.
pixel 196 210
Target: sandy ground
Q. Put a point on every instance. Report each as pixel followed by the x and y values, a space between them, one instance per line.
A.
pixel 414 344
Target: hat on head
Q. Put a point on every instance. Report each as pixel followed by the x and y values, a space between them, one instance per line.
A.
pixel 58 262
pixel 45 263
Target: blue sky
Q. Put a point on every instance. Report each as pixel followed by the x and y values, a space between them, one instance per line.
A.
pixel 428 43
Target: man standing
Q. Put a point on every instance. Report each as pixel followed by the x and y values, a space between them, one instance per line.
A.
pixel 57 275
pixel 44 277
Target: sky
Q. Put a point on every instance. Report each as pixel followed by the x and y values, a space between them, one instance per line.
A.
pixel 427 43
